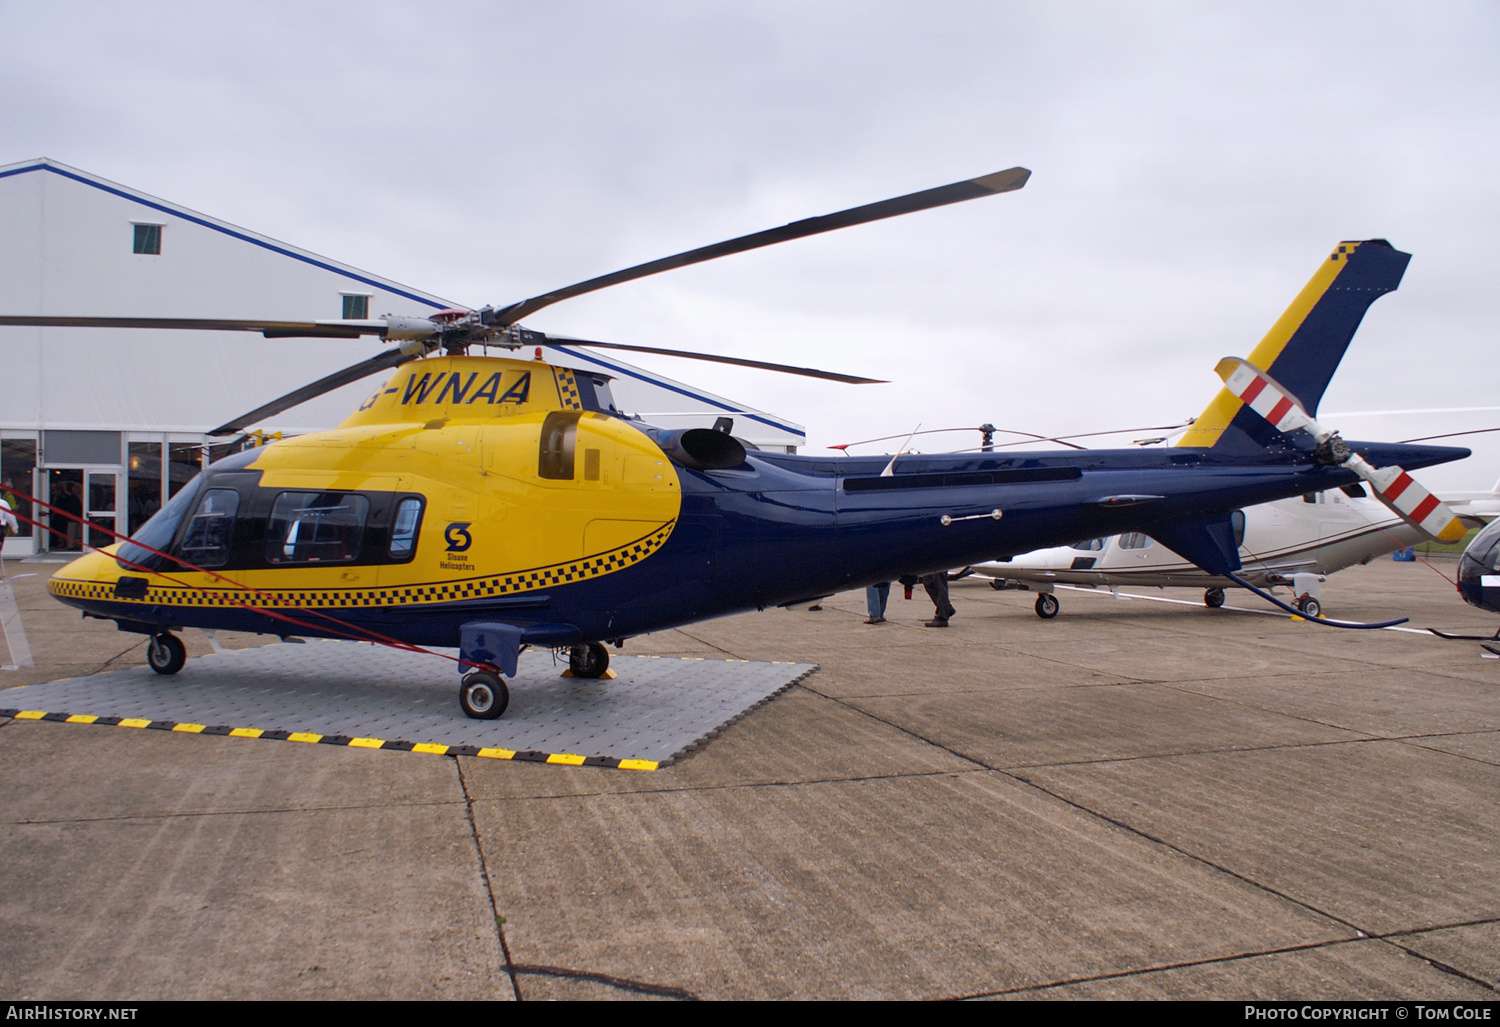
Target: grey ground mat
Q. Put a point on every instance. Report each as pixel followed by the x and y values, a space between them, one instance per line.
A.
pixel 356 693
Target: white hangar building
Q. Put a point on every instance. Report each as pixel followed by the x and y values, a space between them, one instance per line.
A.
pixel 109 421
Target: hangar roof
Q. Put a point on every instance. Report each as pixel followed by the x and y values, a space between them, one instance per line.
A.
pixel 72 249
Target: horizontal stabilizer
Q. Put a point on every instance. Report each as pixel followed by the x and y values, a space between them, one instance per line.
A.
pixel 1206 541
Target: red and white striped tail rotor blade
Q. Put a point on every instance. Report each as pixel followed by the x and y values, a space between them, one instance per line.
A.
pixel 1261 393
pixel 1411 502
pixel 1394 487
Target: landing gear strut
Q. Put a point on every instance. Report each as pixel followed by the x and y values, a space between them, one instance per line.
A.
pixel 588 661
pixel 483 695
pixel 166 653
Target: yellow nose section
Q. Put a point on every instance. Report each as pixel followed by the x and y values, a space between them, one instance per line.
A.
pixel 97 568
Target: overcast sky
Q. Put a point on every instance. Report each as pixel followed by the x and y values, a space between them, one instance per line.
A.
pixel 1193 164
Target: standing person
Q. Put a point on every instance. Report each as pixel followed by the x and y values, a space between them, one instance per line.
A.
pixel 936 585
pixel 875 600
pixel 70 502
pixel 8 524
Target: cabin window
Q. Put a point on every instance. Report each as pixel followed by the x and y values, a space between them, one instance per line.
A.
pixel 404 533
pixel 1237 525
pixel 590 465
pixel 1089 545
pixel 206 542
pixel 1135 540
pixel 559 437
pixel 316 527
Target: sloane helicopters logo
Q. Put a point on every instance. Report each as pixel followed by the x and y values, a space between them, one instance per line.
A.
pixel 457 536
pixel 459 540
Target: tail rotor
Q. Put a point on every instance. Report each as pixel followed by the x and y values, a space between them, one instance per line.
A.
pixel 1393 486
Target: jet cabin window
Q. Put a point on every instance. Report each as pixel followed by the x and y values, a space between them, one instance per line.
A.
pixel 206 542
pixel 316 527
pixel 559 438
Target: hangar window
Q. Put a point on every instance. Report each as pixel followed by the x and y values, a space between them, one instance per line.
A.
pixel 356 306
pixel 316 527
pixel 206 542
pixel 147 239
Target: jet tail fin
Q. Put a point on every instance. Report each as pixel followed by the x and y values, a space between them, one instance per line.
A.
pixel 1304 347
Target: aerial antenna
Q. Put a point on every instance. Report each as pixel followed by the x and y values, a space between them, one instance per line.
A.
pixel 890 468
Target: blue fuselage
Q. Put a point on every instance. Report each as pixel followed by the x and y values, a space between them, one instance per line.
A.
pixel 783 528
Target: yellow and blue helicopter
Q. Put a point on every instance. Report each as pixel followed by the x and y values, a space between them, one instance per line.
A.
pixel 497 503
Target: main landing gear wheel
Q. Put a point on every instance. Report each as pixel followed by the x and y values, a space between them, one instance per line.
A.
pixel 1213 598
pixel 483 695
pixel 588 661
pixel 1047 606
pixel 166 653
pixel 1310 607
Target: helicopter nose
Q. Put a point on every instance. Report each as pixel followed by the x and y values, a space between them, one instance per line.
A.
pixel 95 568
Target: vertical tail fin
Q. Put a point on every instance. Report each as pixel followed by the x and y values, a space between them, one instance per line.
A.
pixel 1304 347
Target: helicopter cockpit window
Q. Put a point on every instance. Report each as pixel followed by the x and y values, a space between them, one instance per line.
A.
pixel 1135 540
pixel 316 527
pixel 404 532
pixel 559 438
pixel 206 541
pixel 158 531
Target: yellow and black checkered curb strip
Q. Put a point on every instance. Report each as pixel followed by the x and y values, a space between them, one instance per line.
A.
pixel 528 756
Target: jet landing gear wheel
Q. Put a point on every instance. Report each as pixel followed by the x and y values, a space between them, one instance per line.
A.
pixel 1047 606
pixel 1213 598
pixel 1310 607
pixel 483 695
pixel 588 661
pixel 166 653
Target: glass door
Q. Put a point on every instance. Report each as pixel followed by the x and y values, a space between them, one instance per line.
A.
pixel 65 492
pixel 100 490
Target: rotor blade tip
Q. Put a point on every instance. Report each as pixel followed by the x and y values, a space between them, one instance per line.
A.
pixel 1004 181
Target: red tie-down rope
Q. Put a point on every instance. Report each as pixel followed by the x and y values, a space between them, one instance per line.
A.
pixel 369 636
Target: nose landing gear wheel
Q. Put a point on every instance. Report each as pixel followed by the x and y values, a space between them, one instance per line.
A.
pixel 1047 606
pixel 166 654
pixel 1213 598
pixel 483 695
pixel 588 661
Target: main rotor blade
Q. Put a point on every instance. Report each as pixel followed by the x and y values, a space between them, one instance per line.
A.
pixel 806 372
pixel 363 369
pixel 974 188
pixel 270 329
